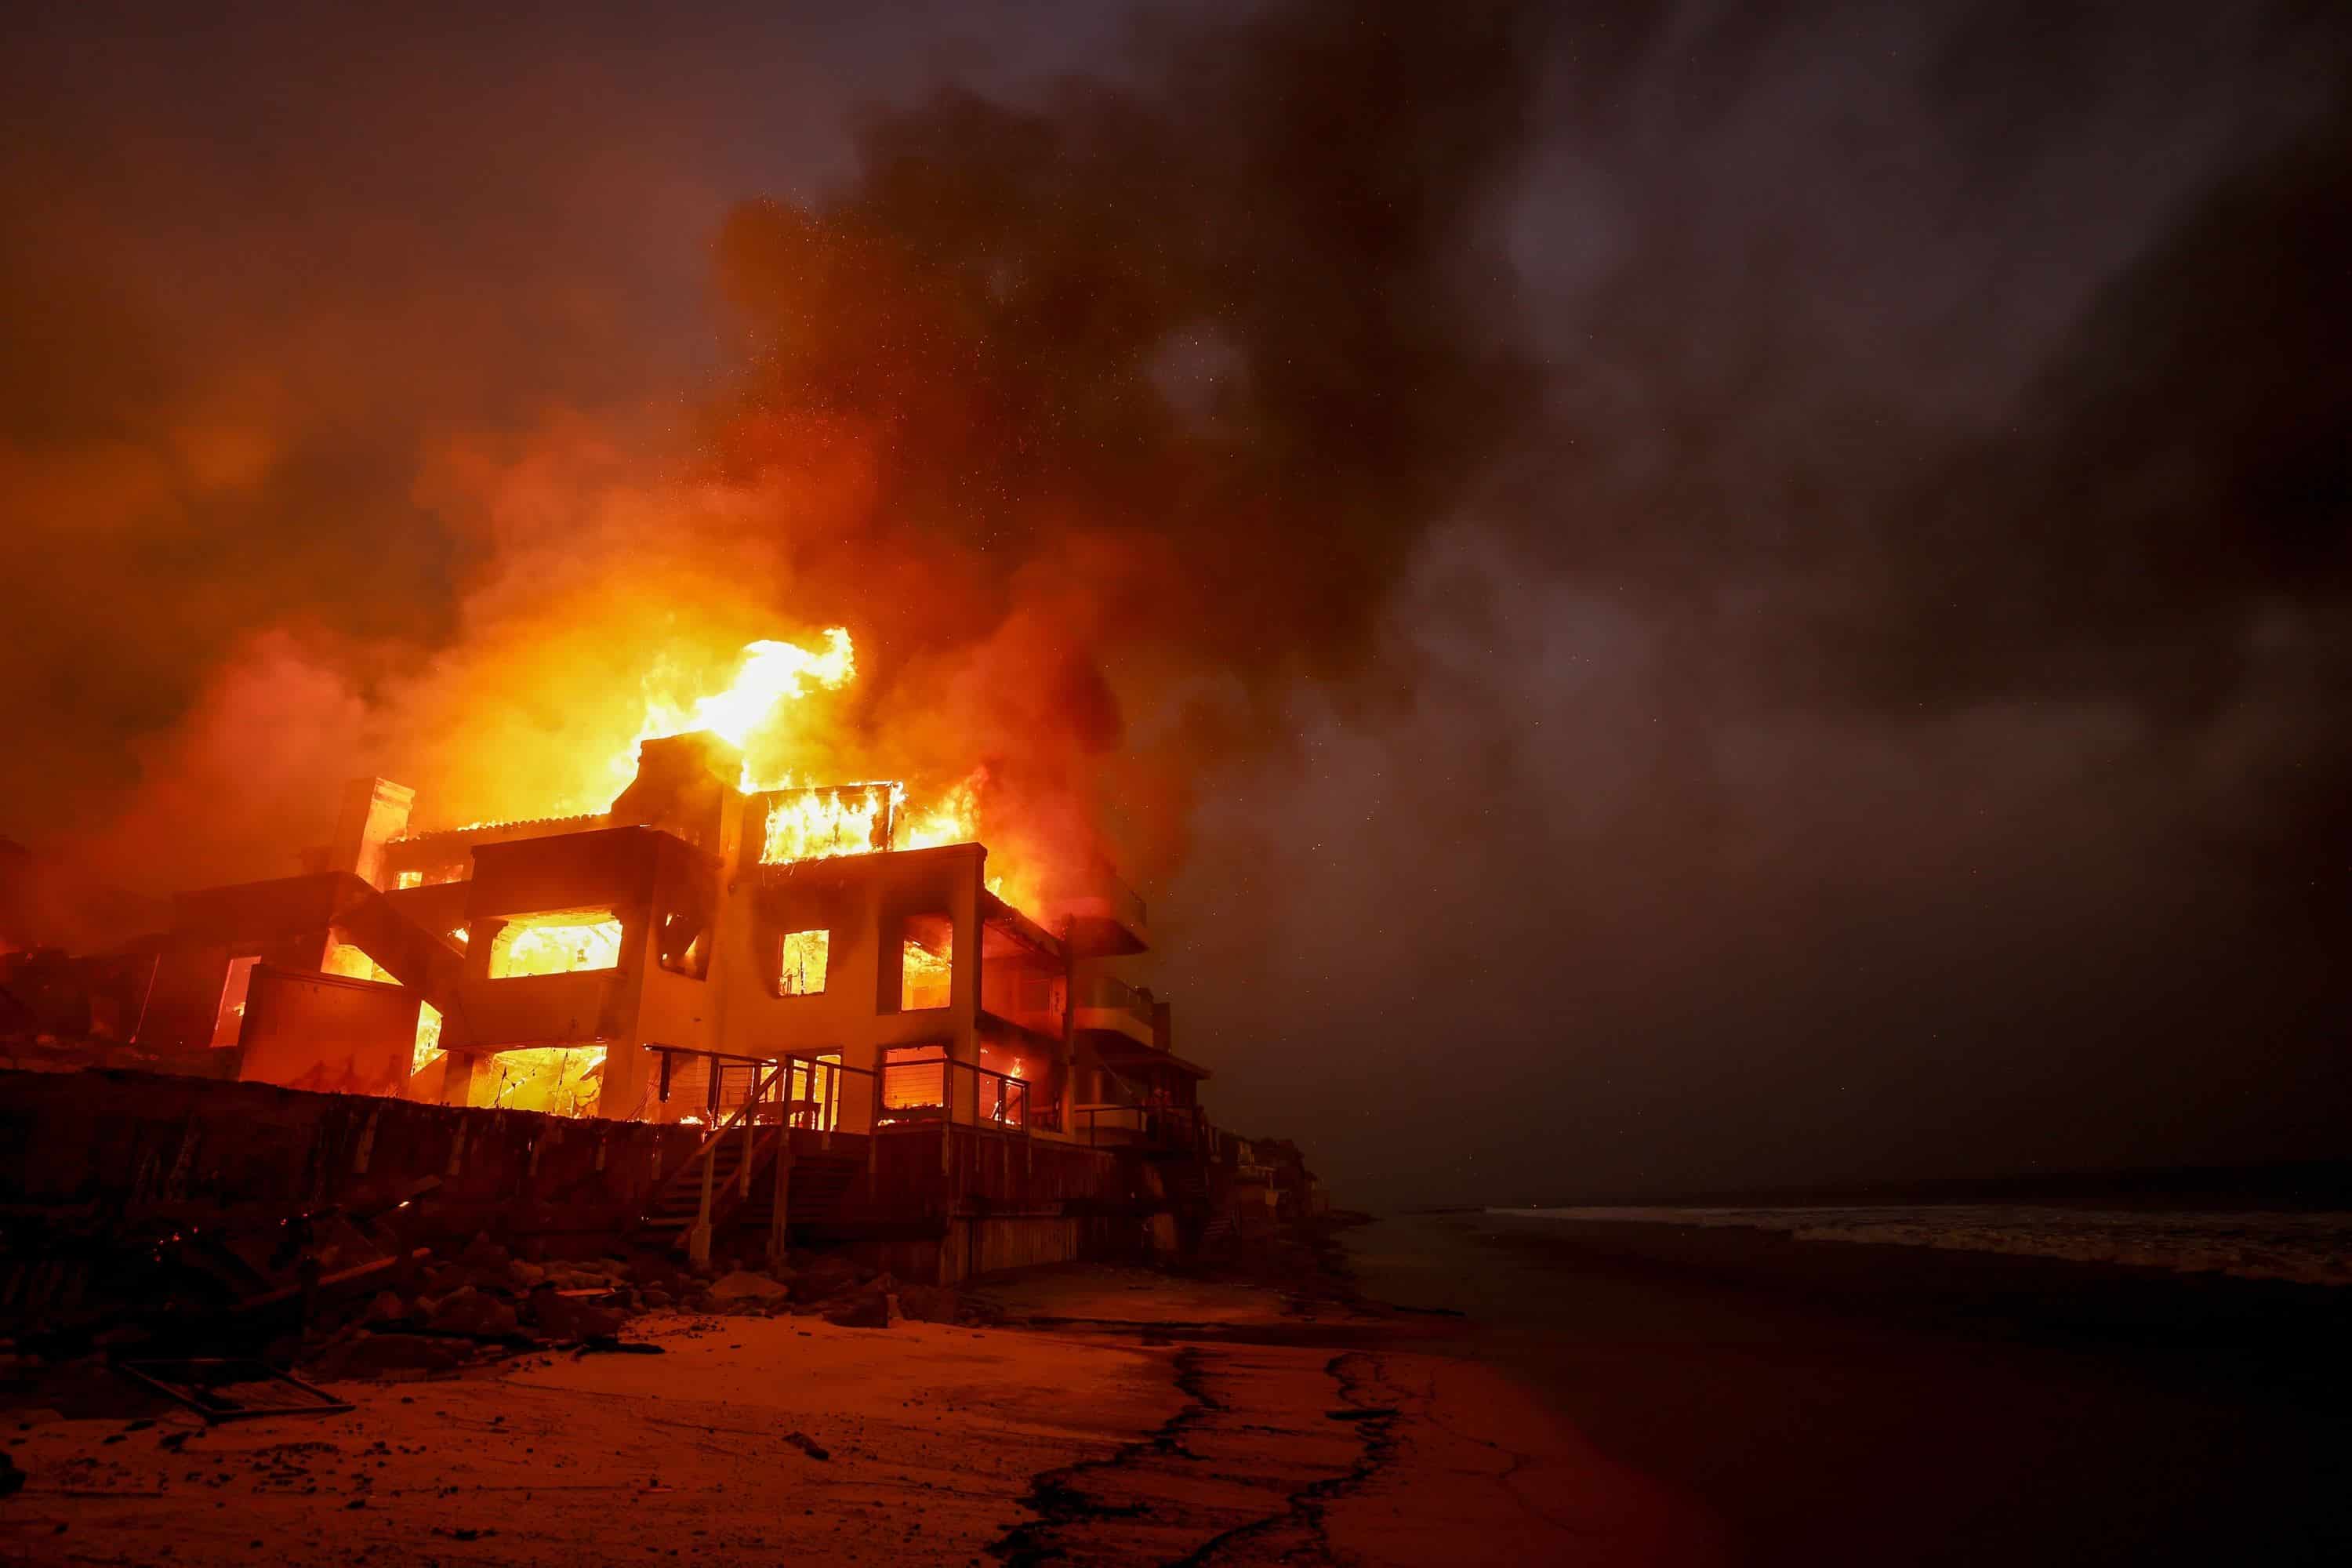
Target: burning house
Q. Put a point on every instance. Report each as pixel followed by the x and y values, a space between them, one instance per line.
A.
pixel 830 991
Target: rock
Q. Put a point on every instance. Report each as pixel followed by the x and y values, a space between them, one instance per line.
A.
pixel 494 1281
pixel 376 1355
pixel 655 1299
pixel 469 1311
pixel 742 1285
pixel 386 1308
pixel 866 1309
pixel 660 1274
pixel 523 1275
pixel 12 1480
pixel 927 1303
pixel 564 1317
pixel 484 1253
pixel 575 1277
pixel 827 1274
pixel 597 1322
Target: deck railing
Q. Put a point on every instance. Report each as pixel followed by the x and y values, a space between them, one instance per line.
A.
pixel 786 1094
pixel 1176 1128
pixel 1110 994
pixel 935 1088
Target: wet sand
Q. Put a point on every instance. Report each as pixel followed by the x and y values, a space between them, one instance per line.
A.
pixel 1826 1402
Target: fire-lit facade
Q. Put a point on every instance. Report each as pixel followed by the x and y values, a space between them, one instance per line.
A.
pixel 647 964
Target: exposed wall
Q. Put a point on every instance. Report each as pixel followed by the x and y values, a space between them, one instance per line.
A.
pixel 985 1244
pixel 326 1033
pixel 859 900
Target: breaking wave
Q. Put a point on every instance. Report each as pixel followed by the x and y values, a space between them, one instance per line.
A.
pixel 2313 1248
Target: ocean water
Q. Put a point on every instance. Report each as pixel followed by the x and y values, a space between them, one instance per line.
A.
pixel 2311 1248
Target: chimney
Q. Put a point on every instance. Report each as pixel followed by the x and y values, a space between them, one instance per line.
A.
pixel 685 785
pixel 373 812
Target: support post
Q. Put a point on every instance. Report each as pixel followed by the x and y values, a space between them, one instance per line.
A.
pixel 779 1220
pixel 698 1240
pixel 750 1136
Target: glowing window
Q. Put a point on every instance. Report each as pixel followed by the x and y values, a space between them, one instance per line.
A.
pixel 351 964
pixel 230 1019
pixel 813 1091
pixel 428 1037
pixel 1004 1083
pixel 560 942
pixel 914 1077
pixel 563 1080
pixel 806 953
pixel 926 962
pixel 686 945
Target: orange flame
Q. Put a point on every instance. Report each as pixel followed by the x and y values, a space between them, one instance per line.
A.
pixel 759 712
pixel 818 824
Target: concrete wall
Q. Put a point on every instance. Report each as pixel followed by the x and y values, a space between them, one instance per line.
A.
pixel 987 1244
pixel 733 1007
pixel 326 1033
pixel 859 900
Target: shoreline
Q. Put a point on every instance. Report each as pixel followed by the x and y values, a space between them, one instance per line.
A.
pixel 1844 1402
pixel 1421 1388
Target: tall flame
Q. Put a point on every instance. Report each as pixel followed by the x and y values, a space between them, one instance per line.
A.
pixel 771 676
pixel 803 823
pixel 817 823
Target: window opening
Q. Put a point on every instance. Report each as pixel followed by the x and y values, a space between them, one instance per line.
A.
pixel 558 942
pixel 805 957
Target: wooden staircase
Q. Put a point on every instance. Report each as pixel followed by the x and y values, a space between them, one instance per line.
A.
pixel 672 1212
pixel 820 1191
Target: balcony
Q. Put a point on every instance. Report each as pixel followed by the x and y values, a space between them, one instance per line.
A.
pixel 1103 919
pixel 1027 998
pixel 1167 1128
pixel 1110 1006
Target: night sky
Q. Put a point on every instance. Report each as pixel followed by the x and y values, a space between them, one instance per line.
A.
pixel 1658 596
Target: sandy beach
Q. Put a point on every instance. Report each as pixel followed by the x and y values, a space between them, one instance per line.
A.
pixel 1537 1393
pixel 1149 1420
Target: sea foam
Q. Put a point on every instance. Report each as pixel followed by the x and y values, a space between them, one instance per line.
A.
pixel 2313 1248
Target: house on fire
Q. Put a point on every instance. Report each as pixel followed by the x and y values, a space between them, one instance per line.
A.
pixel 902 1052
